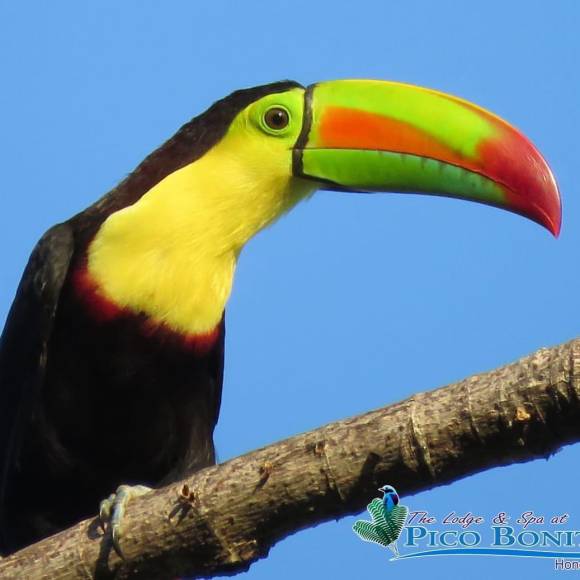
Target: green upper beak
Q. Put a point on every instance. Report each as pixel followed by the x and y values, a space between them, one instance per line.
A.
pixel 362 135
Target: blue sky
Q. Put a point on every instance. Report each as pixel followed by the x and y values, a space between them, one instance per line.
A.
pixel 351 302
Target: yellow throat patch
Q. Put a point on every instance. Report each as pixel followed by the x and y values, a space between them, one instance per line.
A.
pixel 172 254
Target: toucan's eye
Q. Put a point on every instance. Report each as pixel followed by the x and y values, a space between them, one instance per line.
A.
pixel 277 118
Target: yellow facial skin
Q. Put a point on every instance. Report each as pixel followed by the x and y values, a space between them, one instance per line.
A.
pixel 172 254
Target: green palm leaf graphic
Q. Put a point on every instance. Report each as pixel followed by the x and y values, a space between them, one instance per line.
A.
pixel 369 533
pixel 377 511
pixel 384 529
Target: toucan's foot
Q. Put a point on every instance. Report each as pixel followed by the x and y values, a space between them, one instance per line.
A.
pixel 112 510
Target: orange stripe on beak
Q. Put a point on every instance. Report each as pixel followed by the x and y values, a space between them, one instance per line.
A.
pixel 344 128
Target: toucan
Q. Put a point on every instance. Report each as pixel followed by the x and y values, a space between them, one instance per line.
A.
pixel 111 359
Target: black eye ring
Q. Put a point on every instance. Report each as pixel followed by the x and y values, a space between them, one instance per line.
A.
pixel 277 118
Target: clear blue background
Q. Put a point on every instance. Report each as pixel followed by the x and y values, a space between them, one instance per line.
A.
pixel 351 302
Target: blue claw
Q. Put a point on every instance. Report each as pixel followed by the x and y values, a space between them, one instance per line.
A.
pixel 112 510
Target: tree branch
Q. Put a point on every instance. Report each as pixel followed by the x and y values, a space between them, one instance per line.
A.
pixel 225 517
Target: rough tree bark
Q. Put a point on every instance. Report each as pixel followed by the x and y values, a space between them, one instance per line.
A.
pixel 224 518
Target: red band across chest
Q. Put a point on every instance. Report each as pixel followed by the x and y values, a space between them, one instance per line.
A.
pixel 105 311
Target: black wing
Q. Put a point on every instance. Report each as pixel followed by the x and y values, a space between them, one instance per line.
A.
pixel 23 345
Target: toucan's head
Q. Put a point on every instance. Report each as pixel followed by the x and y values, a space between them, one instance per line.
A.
pixel 190 207
pixel 373 136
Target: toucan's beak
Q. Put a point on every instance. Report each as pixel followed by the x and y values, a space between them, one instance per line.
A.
pixel 362 135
